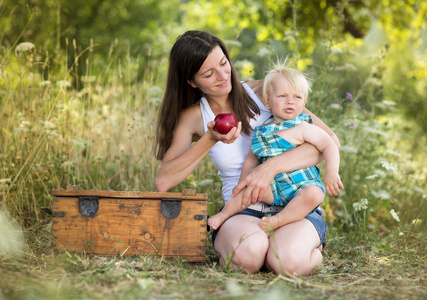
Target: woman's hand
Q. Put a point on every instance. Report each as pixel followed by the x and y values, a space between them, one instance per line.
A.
pixel 256 183
pixel 228 138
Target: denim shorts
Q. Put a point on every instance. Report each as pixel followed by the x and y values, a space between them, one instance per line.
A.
pixel 315 218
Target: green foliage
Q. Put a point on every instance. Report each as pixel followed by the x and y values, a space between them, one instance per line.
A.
pixel 99 136
pixel 49 23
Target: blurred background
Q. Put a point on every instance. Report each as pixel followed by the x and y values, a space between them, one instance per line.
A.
pixel 81 83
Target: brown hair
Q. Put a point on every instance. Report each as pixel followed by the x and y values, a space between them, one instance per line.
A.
pixel 186 57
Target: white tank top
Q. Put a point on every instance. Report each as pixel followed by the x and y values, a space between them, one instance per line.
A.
pixel 229 158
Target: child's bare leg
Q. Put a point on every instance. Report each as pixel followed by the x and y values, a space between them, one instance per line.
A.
pixel 232 207
pixel 268 196
pixel 304 202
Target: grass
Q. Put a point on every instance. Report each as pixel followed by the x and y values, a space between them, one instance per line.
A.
pixel 100 137
pixel 378 269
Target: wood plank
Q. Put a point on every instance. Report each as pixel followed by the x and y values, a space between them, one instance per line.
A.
pixel 130 195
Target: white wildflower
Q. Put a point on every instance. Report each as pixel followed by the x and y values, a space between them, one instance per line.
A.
pixel 374 81
pixel 388 166
pixel 405 190
pixel 78 144
pixel 20 129
pixel 389 103
pixel 63 84
pixel 335 106
pixel 372 176
pixel 25 124
pixel 394 153
pixel 48 124
pixel 52 134
pixel 156 90
pixel 368 56
pixel 382 194
pixel 348 149
pixel 155 100
pixel 377 131
pixel 420 190
pixel 263 52
pixel 231 43
pixel 361 205
pixel 416 222
pixel 38 167
pixel 88 79
pixel 288 38
pixel 394 215
pixel 45 83
pixel 336 50
pixel 346 67
pixel 67 164
pixel 24 47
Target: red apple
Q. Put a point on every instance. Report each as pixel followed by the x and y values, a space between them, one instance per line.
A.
pixel 224 123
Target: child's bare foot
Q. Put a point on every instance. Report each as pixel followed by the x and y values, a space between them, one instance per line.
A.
pixel 269 223
pixel 216 220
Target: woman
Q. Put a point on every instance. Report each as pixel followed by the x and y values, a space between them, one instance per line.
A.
pixel 201 84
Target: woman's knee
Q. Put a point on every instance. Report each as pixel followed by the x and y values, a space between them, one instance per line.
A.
pixel 248 255
pixel 294 261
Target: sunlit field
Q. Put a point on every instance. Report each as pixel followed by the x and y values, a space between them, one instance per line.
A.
pixel 95 127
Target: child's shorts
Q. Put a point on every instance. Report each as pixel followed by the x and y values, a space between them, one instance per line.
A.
pixel 315 218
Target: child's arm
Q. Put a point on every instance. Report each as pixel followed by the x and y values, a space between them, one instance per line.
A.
pixel 325 144
pixel 319 123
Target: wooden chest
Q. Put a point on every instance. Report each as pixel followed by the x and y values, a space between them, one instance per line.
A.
pixel 130 223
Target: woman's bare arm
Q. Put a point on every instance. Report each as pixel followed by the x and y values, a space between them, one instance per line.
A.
pixel 182 156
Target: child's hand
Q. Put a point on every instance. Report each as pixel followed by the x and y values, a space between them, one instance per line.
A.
pixel 333 184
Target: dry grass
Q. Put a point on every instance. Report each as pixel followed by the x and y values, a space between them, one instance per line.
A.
pixel 367 271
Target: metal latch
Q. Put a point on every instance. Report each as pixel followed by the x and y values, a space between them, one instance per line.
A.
pixel 57 214
pixel 171 207
pixel 88 205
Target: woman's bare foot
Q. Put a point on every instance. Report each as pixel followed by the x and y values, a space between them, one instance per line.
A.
pixel 269 223
pixel 216 220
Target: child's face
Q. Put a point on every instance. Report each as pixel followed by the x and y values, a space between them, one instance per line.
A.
pixel 284 102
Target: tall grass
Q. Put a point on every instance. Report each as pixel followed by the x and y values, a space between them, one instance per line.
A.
pixel 100 136
pixel 97 137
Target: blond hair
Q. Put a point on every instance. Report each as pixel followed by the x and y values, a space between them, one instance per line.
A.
pixel 297 79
